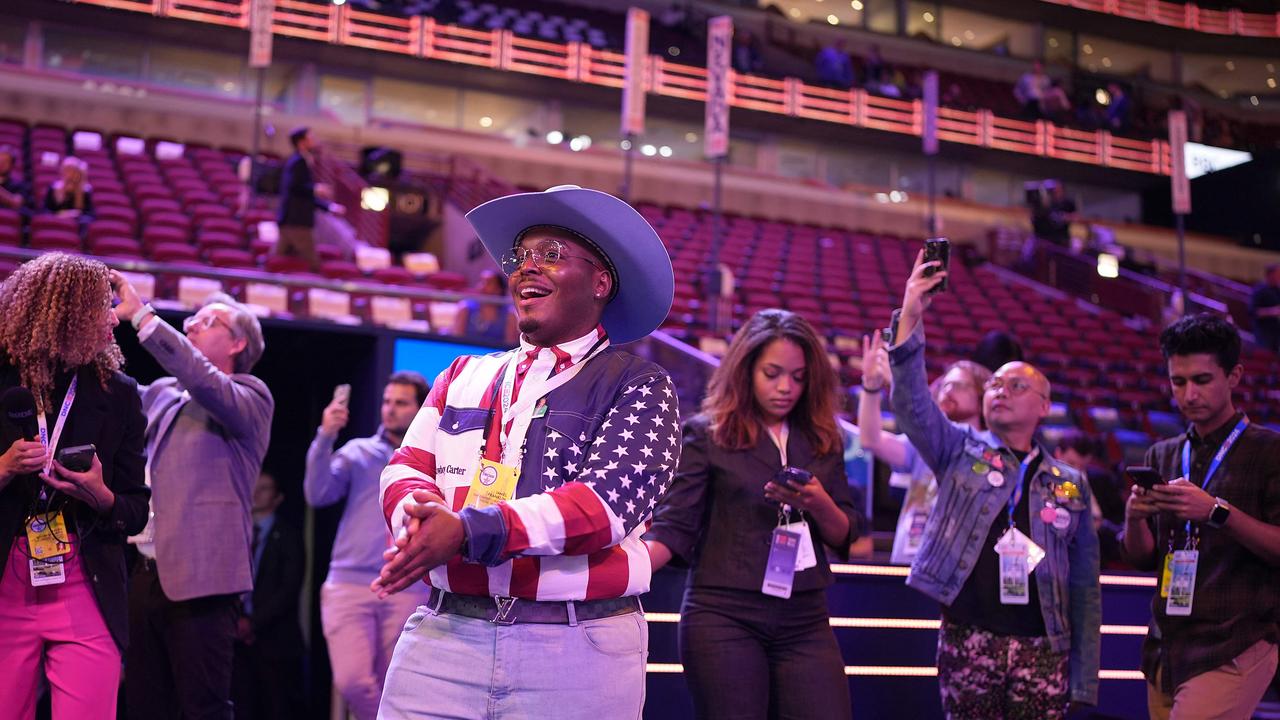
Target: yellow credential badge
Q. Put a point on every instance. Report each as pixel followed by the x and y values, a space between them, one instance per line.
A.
pixel 492 484
pixel 47 535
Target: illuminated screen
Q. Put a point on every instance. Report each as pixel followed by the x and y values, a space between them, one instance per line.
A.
pixel 429 357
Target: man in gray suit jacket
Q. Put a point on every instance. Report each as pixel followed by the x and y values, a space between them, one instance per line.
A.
pixel 208 426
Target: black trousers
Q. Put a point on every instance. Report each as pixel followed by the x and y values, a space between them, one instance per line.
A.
pixel 267 685
pixel 180 653
pixel 750 656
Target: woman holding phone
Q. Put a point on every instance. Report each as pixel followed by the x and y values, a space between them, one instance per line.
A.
pixel 760 491
pixel 63 603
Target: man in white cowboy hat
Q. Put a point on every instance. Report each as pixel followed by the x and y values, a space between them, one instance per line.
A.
pixel 526 480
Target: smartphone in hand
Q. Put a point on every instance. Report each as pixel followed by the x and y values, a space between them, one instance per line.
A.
pixel 793 477
pixel 1144 477
pixel 937 250
pixel 342 394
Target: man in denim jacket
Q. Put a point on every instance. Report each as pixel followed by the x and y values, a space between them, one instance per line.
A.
pixel 1019 635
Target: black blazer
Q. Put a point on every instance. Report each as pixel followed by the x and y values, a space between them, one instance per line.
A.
pixel 52 205
pixel 277 587
pixel 298 202
pixel 716 519
pixel 112 420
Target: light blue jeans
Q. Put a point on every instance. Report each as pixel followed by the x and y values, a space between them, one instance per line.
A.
pixel 459 668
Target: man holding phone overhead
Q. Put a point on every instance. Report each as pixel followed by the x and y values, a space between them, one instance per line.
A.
pixel 1010 549
pixel 1213 531
pixel 208 425
pixel 361 628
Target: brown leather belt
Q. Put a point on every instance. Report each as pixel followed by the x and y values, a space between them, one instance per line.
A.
pixel 509 611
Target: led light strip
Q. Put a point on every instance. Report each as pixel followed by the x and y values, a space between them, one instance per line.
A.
pixel 898 623
pixel 895 671
pixel 901 571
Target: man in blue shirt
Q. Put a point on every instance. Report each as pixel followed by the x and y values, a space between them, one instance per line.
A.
pixel 361 629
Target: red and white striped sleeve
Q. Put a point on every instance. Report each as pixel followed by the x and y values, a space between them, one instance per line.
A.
pixel 413 466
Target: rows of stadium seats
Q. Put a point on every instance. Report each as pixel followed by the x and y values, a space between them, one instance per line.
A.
pixel 1108 378
pixel 165 202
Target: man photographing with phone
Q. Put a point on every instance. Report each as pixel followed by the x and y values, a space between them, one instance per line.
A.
pixel 208 425
pixel 360 627
pixel 1009 550
pixel 1213 532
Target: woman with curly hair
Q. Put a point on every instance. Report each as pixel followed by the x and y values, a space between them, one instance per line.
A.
pixel 63 603
pixel 759 491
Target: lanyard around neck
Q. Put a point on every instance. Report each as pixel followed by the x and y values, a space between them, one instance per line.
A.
pixel 504 390
pixel 1022 476
pixel 50 442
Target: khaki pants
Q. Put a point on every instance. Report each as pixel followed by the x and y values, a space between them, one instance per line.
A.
pixel 362 631
pixel 298 241
pixel 1228 692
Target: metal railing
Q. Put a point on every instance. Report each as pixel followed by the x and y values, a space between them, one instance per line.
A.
pixel 1187 16
pixel 498 49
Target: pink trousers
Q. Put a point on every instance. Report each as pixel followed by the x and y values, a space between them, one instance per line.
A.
pixel 61 627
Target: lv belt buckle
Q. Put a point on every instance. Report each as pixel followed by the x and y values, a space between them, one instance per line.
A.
pixel 504 616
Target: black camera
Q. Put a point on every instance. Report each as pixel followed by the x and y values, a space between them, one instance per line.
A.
pixel 77 459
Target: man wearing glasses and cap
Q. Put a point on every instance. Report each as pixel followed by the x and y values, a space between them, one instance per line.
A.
pixel 208 426
pixel 1010 549
pixel 525 483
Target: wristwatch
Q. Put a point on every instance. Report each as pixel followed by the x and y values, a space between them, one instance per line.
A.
pixel 1219 514
pixel 141 315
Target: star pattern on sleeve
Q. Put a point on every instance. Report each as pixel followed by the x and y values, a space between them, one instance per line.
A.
pixel 629 462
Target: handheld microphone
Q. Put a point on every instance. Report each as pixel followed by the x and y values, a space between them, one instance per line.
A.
pixel 20 408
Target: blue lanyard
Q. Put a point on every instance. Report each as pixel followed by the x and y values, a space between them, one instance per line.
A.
pixel 1218 457
pixel 1022 476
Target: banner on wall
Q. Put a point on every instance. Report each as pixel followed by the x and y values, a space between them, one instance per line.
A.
pixel 930 133
pixel 633 91
pixel 260 33
pixel 719 49
pixel 1177 159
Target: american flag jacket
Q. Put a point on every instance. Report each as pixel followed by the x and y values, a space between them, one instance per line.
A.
pixel 596 461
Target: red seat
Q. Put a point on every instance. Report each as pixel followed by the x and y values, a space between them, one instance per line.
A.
pixel 55 222
pixel 207 241
pixel 222 225
pixel 446 281
pixel 174 252
pixel 157 234
pixel 393 276
pixel 55 239
pixel 329 252
pixel 340 270
pixel 209 210
pixel 147 192
pixel 170 219
pixel 191 197
pixel 10 235
pixel 108 228
pixel 108 246
pixel 286 265
pixel 153 206
pixel 119 213
pixel 103 198
pixel 10 218
pixel 231 258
